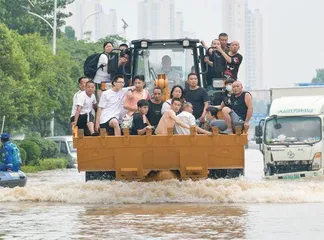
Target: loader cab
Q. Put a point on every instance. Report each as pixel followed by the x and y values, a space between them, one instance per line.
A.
pixel 174 57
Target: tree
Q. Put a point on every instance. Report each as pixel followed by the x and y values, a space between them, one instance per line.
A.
pixel 52 84
pixel 14 14
pixel 14 69
pixel 70 33
pixel 319 76
pixel 115 39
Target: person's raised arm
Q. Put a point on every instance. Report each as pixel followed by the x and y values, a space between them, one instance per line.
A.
pixel 227 58
pixel 204 44
pixel 128 104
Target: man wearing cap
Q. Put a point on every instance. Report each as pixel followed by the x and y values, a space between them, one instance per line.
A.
pixel 7 154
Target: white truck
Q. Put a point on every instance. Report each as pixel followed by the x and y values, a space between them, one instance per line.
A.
pixel 291 137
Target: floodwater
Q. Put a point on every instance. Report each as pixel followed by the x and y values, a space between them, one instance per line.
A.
pixel 60 205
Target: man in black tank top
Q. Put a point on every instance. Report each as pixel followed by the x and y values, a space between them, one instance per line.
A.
pixel 241 109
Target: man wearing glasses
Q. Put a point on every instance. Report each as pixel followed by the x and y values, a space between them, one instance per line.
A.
pixel 110 105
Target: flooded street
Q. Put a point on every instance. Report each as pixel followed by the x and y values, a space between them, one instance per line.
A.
pixel 60 205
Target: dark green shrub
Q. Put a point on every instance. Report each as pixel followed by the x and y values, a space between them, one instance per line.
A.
pixel 48 147
pixel 52 163
pixel 23 154
pixel 46 164
pixel 32 149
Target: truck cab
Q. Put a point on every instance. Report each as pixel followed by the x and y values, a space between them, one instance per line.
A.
pixel 175 58
pixel 291 138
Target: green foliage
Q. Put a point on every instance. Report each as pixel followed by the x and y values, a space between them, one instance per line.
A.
pixel 15 15
pixel 319 76
pixel 48 148
pixel 115 39
pixel 32 149
pixel 35 83
pixel 23 154
pixel 46 164
pixel 69 33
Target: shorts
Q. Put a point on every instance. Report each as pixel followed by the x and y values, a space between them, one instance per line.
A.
pixel 109 130
pixel 84 119
pixel 237 121
pixel 72 119
pixel 220 124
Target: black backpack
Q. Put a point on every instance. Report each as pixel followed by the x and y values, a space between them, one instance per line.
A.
pixel 90 66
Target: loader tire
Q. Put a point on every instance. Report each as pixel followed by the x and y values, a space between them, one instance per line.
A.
pixel 100 175
pixel 234 173
pixel 217 173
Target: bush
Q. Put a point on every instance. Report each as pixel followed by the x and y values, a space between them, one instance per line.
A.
pixel 52 163
pixel 32 149
pixel 46 164
pixel 48 148
pixel 23 154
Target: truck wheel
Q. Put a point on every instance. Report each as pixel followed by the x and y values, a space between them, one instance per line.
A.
pixel 269 171
pixel 234 173
pixel 100 175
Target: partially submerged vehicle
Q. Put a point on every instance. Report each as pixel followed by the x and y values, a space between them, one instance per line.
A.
pixel 12 179
pixel 144 157
pixel 66 150
pixel 130 157
pixel 291 138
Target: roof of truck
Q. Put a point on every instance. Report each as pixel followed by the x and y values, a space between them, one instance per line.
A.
pixel 297 106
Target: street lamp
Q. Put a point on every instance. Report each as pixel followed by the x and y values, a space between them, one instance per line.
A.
pixel 54 28
pixel 94 13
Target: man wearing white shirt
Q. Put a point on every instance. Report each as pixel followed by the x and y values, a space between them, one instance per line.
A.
pixel 110 105
pixel 82 85
pixel 85 102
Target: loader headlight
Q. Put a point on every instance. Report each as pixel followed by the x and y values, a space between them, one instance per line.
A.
pixel 218 83
pixel 143 44
pixel 317 161
pixel 185 43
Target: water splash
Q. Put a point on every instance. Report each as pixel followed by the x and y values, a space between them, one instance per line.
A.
pixel 170 191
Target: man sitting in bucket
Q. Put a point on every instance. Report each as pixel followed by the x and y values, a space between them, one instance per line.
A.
pixel 9 155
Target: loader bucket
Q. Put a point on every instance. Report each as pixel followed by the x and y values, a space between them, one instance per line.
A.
pixel 134 158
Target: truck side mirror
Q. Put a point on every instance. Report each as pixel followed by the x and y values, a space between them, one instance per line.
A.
pixel 258 140
pixel 258 131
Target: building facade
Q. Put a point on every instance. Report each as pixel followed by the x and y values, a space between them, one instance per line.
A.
pixel 245 26
pixel 88 18
pixel 157 19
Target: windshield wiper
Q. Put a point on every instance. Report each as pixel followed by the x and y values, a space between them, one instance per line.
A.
pixel 279 142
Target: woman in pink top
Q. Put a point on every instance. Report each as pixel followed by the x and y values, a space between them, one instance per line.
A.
pixel 139 93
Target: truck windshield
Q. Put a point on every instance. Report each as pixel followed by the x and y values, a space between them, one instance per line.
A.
pixel 175 62
pixel 293 130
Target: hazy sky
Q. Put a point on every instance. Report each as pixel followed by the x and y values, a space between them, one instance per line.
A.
pixel 292 31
